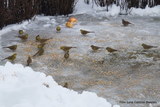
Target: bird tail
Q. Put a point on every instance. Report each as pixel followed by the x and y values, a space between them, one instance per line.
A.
pixel 5 47
pixel 91 32
pixel 131 23
pixel 27 64
pixel 155 46
pixel 48 39
pixel 35 54
pixel 3 59
pixel 74 47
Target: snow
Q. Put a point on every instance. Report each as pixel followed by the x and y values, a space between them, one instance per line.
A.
pixel 154 11
pixel 81 7
pixel 13 27
pixel 22 87
pixel 93 9
pixel 114 10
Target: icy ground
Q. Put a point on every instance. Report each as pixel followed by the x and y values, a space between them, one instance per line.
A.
pixel 130 74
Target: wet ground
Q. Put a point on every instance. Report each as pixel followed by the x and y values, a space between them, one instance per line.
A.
pixel 130 74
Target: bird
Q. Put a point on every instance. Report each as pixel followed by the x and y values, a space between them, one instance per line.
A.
pixel 20 32
pixel 66 48
pixel 111 49
pixel 23 37
pixel 13 47
pixel 10 58
pixel 145 46
pixel 125 23
pixel 39 39
pixel 40 52
pixel 29 60
pixel 58 28
pixel 65 85
pixel 45 84
pixel 101 61
pixel 66 55
pixel 41 45
pixel 95 48
pixel 84 32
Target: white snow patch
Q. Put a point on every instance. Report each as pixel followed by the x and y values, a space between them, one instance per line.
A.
pixel 154 11
pixel 114 10
pixel 42 18
pixel 22 87
pixel 82 7
pixel 46 25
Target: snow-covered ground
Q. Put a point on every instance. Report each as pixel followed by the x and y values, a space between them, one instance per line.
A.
pixel 114 10
pixel 22 87
pixel 130 74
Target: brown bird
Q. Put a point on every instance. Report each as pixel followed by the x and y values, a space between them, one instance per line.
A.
pixel 95 48
pixel 110 49
pixel 84 32
pixel 41 45
pixel 66 48
pixel 40 52
pixel 13 47
pixel 125 23
pixel 66 55
pixel 29 60
pixel 10 58
pixel 23 37
pixel 20 32
pixel 145 46
pixel 65 85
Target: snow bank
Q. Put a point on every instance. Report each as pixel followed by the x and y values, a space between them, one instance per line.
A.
pixel 81 8
pixel 154 11
pixel 93 9
pixel 22 87
pixel 114 10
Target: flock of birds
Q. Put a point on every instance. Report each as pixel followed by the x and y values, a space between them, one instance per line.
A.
pixel 66 49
